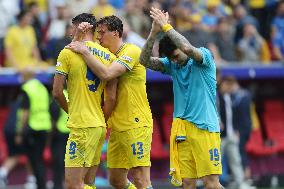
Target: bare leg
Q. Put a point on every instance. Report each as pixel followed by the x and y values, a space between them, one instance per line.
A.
pixel 74 177
pixel 212 182
pixel 141 177
pixel 10 163
pixel 188 183
pixel 118 178
pixel 91 175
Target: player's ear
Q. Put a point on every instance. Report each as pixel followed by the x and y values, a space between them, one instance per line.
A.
pixel 116 34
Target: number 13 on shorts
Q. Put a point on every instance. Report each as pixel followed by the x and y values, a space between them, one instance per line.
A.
pixel 137 149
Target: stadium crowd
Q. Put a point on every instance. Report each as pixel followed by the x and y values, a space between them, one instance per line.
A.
pixel 234 30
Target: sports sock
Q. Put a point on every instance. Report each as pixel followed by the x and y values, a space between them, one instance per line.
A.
pixel 89 186
pixel 149 187
pixel 130 186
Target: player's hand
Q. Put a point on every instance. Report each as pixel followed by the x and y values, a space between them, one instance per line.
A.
pixel 159 16
pixel 155 28
pixel 81 30
pixel 84 27
pixel 77 46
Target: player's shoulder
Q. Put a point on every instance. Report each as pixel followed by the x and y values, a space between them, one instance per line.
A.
pixel 130 50
pixel 205 51
pixel 66 52
pixel 130 46
pixel 13 29
pixel 96 45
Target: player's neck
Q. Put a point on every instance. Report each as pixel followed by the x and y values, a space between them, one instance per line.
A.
pixel 116 45
pixel 88 37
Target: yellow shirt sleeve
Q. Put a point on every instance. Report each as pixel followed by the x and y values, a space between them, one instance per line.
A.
pixel 129 57
pixel 62 65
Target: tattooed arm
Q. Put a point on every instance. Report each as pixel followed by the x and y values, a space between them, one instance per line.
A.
pixel 183 44
pixel 146 59
pixel 179 40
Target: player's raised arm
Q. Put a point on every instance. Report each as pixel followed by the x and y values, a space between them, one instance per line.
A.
pixel 146 59
pixel 180 41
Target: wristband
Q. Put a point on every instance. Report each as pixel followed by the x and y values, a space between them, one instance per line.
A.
pixel 167 27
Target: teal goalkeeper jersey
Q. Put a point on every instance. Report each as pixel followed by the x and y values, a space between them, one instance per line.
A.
pixel 194 87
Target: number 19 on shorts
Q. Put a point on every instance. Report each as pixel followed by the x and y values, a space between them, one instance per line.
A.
pixel 214 154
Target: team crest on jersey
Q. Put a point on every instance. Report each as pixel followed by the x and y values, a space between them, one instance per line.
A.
pixel 127 58
pixel 58 64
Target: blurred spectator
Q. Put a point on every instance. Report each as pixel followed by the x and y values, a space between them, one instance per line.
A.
pixel 241 100
pixel 52 10
pixel 130 36
pixel 103 8
pixel 224 41
pixel 21 50
pixel 34 10
pixel 278 21
pixel 242 18
pixel 257 9
pixel 210 19
pixel 80 6
pixel 278 32
pixel 197 36
pixel 62 42
pixel 43 9
pixel 231 134
pixel 278 46
pixel 8 10
pixel 54 46
pixel 57 25
pixel 59 139
pixel 135 17
pixel 181 12
pixel 15 151
pixel 117 4
pixel 252 46
pixel 35 123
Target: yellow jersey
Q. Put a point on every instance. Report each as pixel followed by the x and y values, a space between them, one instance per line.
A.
pixel 21 41
pixel 83 86
pixel 132 109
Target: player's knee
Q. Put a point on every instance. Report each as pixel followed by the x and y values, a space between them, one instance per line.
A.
pixel 73 184
pixel 116 182
pixel 188 184
pixel 140 182
pixel 212 185
pixel 141 177
pixel 89 180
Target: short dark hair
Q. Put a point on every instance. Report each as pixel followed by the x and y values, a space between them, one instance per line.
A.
pixel 85 17
pixel 21 14
pixel 32 4
pixel 166 47
pixel 113 23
